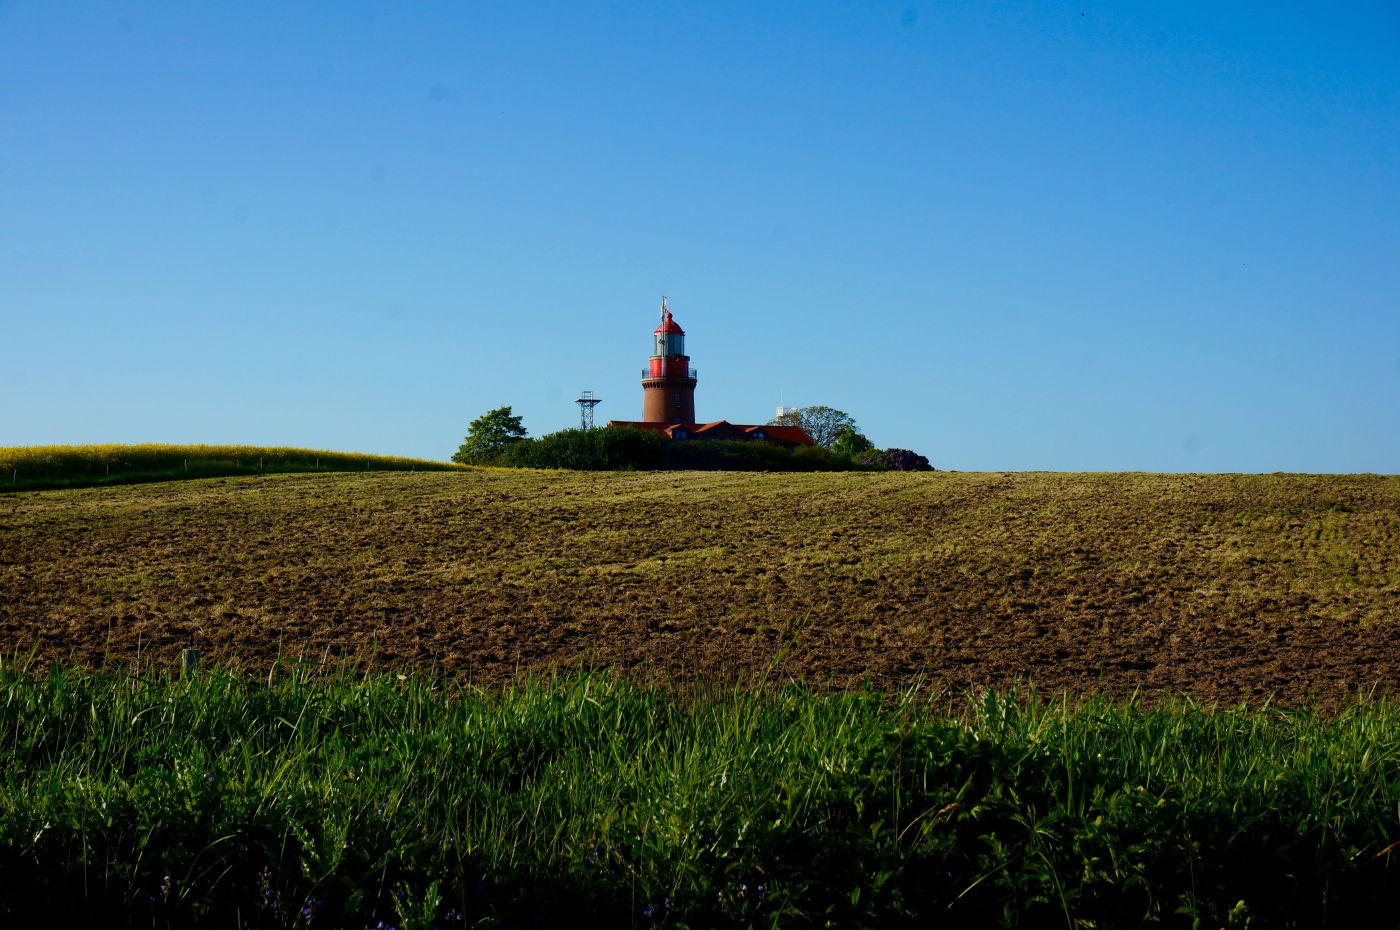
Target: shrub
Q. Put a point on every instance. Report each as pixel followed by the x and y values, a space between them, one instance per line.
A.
pixel 612 448
pixel 894 460
pixel 626 448
pixel 739 455
pixel 905 460
pixel 727 455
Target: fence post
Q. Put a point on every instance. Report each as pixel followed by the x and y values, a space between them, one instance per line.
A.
pixel 189 662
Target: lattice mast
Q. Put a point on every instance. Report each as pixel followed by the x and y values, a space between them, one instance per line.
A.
pixel 586 402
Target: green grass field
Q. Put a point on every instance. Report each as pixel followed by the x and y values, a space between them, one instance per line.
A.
pixel 588 801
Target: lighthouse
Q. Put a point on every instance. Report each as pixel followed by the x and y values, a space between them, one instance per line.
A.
pixel 668 384
pixel 668 398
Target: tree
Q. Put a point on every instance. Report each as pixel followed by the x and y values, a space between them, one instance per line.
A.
pixel 821 423
pixel 851 443
pixel 488 436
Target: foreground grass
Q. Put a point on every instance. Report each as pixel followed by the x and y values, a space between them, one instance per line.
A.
pixel 343 802
pixel 29 468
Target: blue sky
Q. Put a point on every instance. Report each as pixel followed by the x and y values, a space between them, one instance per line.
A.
pixel 1088 236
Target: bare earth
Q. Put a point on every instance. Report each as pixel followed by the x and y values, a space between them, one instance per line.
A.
pixel 1226 587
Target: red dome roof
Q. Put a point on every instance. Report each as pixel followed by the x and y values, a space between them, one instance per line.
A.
pixel 669 326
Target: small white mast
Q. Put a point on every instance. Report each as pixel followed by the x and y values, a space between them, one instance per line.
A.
pixel 661 332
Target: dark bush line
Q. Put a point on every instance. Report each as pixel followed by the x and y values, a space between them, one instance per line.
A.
pixel 623 448
pixel 894 460
pixel 611 448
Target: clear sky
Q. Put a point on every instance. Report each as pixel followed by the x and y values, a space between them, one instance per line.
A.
pixel 1013 235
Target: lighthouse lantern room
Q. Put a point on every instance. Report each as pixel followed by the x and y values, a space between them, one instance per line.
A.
pixel 668 384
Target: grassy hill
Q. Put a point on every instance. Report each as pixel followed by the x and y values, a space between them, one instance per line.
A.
pixel 1226 587
pixel 364 797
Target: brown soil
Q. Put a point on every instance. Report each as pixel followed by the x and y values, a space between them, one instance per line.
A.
pixel 1225 587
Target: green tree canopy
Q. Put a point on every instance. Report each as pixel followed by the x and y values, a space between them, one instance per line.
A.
pixel 821 423
pixel 488 435
pixel 851 443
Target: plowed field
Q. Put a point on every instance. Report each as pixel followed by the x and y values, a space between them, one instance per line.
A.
pixel 1227 587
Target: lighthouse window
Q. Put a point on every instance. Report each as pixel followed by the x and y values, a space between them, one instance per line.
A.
pixel 677 398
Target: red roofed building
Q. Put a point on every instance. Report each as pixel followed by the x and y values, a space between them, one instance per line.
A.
pixel 668 397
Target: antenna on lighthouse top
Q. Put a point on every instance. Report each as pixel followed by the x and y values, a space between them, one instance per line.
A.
pixel 663 308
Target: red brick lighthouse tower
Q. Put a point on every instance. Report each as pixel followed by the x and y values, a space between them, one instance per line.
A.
pixel 668 384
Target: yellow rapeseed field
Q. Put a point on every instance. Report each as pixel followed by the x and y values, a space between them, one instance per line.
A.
pixel 26 466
